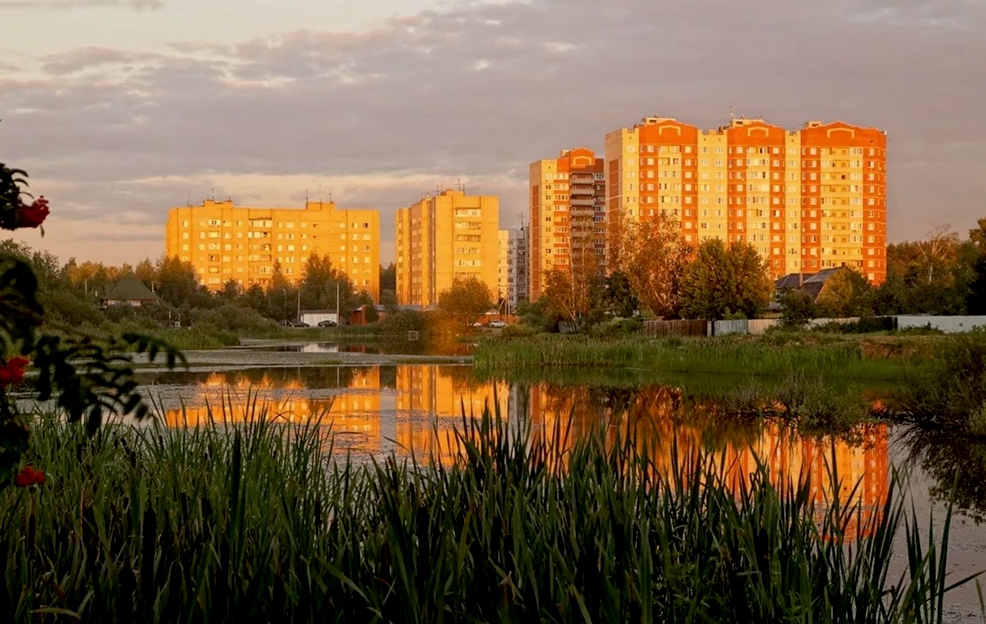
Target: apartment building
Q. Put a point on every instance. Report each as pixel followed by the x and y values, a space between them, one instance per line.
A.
pixel 442 238
pixel 513 268
pixel 225 242
pixel 808 199
pixel 568 215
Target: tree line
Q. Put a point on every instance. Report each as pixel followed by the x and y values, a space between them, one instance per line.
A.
pixel 71 293
pixel 657 274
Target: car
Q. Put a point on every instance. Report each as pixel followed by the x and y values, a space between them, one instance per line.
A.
pixel 328 323
pixel 498 324
pixel 477 324
pixel 296 324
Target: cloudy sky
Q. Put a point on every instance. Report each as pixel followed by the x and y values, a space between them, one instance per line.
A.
pixel 121 109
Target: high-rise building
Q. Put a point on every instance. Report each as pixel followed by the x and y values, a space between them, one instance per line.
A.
pixel 225 242
pixel 442 238
pixel 808 199
pixel 568 216
pixel 513 268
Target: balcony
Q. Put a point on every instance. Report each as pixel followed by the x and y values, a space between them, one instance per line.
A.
pixel 588 202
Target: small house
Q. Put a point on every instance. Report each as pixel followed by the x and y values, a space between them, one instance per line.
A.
pixel 130 291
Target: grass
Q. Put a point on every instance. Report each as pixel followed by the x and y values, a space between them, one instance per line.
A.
pixel 776 355
pixel 260 521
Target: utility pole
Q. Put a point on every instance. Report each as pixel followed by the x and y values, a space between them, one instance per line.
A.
pixel 338 318
pixel 299 304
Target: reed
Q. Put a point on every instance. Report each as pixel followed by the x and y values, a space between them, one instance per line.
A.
pixel 261 521
pixel 726 355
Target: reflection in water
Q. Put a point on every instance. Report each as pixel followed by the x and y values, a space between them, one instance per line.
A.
pixel 957 467
pixel 418 407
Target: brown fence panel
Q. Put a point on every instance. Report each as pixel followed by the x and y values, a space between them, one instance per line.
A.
pixel 655 329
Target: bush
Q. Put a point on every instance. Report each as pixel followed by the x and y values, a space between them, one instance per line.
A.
pixel 233 318
pixel 403 321
pixel 950 394
pixel 618 328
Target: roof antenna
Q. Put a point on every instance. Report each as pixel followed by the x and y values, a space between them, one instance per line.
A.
pixel 330 196
pixel 212 193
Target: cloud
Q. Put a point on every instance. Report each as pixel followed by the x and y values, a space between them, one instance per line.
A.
pixel 478 91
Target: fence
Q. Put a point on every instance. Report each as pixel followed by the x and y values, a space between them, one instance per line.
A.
pixel 655 329
pixel 947 324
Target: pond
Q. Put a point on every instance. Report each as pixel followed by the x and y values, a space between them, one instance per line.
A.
pixel 415 408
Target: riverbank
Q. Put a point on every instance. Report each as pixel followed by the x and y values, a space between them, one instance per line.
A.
pixel 869 357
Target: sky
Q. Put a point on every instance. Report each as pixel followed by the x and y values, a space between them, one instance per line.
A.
pixel 122 109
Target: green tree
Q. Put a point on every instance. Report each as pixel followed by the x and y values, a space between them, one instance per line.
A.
pixel 466 300
pixel 619 295
pixel 847 293
pixel 388 299
pixel 797 308
pixel 722 281
pixel 322 282
pixel 653 255
pixel 388 277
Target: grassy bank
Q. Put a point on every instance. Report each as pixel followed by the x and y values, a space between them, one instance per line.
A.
pixel 255 523
pixel 778 355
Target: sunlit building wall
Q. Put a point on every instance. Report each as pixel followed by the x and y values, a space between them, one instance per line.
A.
pixel 807 200
pixel 442 238
pixel 225 242
pixel 568 214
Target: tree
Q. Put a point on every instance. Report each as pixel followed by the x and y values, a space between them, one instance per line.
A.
pixel 388 277
pixel 797 308
pixel 933 276
pixel 723 281
pixel 619 295
pixel 847 293
pixel 572 297
pixel 653 254
pixel 388 299
pixel 466 300
pixel 322 283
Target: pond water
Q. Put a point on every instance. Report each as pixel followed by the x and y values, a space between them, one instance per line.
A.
pixel 404 408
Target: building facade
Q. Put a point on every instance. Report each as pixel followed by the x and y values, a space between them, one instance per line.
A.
pixel 442 238
pixel 807 200
pixel 568 216
pixel 513 268
pixel 224 242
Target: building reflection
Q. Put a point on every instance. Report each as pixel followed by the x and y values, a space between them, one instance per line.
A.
pixel 417 409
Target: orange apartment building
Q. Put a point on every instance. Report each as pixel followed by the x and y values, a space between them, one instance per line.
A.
pixel 442 238
pixel 568 215
pixel 224 242
pixel 808 200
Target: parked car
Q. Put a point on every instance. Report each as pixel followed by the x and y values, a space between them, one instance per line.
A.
pixel 498 324
pixel 296 324
pixel 477 324
pixel 328 323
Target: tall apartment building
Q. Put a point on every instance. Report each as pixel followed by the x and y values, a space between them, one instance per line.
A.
pixel 443 238
pixel 513 268
pixel 225 242
pixel 808 199
pixel 568 215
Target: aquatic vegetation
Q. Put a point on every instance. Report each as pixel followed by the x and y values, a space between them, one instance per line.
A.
pixel 258 521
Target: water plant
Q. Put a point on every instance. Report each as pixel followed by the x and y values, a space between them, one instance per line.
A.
pixel 262 520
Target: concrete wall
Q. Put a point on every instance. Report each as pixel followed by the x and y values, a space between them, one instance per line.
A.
pixel 947 324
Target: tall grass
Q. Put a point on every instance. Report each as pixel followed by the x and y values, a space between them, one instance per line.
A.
pixel 725 355
pixel 259 522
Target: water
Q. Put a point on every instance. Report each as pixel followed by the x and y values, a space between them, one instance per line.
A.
pixel 405 408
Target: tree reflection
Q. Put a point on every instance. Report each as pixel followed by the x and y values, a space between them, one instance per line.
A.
pixel 956 464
